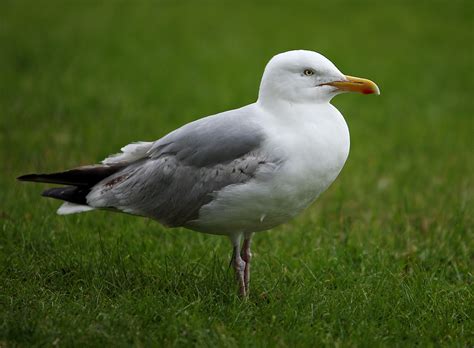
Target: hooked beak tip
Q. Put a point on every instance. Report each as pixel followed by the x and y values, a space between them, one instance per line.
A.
pixel 356 84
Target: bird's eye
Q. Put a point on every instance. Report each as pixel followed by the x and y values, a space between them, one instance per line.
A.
pixel 308 72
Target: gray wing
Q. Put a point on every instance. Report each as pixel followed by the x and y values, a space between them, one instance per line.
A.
pixel 211 140
pixel 183 170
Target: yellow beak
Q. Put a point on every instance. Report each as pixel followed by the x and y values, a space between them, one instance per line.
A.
pixel 356 84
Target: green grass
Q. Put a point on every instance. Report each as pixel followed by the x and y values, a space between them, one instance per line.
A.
pixel 385 257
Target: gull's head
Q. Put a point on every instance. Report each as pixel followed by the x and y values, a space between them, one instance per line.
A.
pixel 307 77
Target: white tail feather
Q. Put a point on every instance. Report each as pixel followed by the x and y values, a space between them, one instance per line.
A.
pixel 72 208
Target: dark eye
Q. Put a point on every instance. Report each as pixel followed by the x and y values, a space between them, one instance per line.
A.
pixel 308 72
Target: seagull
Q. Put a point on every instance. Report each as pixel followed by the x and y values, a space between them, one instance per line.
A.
pixel 233 173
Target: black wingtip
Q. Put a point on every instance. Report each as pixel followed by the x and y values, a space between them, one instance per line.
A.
pixel 81 176
pixel 68 193
pixel 28 177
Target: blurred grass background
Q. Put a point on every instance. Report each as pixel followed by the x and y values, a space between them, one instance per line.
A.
pixel 384 257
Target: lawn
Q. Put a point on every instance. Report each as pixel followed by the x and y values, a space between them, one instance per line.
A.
pixel 385 257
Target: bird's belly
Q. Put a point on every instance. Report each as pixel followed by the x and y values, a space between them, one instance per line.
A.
pixel 261 204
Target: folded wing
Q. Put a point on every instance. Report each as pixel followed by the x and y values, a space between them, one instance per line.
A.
pixel 182 171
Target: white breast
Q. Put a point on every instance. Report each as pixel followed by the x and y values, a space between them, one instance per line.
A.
pixel 314 145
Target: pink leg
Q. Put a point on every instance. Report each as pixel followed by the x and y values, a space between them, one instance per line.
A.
pixel 239 266
pixel 246 255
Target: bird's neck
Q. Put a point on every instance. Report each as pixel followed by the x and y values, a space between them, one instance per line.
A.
pixel 309 126
pixel 292 111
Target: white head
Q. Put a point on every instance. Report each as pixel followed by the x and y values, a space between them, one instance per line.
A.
pixel 307 77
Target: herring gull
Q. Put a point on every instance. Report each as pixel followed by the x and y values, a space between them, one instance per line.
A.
pixel 234 173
